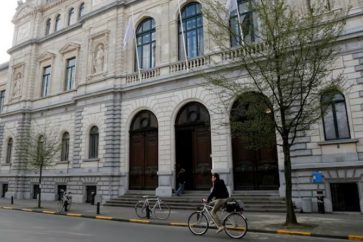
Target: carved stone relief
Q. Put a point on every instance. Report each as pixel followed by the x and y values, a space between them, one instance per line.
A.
pixel 17 82
pixel 98 53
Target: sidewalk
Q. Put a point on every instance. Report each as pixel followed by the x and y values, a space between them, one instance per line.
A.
pixel 337 225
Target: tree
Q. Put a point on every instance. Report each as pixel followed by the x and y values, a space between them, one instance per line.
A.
pixel 41 150
pixel 286 54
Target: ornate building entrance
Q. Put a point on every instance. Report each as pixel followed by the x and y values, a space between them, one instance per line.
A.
pixel 143 152
pixel 193 145
pixel 255 165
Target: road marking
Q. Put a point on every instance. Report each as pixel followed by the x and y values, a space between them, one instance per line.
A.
pixel 27 210
pixel 74 214
pixel 143 221
pixel 104 217
pixel 282 231
pixel 179 224
pixel 355 237
pixel 49 212
pixel 7 207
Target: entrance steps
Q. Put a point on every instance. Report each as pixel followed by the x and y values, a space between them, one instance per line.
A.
pixel 255 201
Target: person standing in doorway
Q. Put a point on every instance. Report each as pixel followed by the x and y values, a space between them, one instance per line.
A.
pixel 181 180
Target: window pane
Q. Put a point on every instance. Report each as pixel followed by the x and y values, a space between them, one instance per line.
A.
pixel 192 44
pixel 342 121
pixel 329 127
pixel 146 56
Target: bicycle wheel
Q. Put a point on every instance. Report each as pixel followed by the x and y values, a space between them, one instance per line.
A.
pixel 140 209
pixel 161 210
pixel 198 223
pixel 235 225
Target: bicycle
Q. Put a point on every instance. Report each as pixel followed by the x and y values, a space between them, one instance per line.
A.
pixel 159 208
pixel 234 223
pixel 65 202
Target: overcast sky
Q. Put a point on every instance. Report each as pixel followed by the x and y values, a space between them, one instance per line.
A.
pixel 7 11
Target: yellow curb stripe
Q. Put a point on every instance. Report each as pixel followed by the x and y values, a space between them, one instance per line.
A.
pixel 179 224
pixel 7 208
pixel 143 221
pixel 104 217
pixel 49 212
pixel 282 231
pixel 74 214
pixel 355 237
pixel 26 210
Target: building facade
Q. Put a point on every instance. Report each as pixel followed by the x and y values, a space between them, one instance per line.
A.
pixel 73 72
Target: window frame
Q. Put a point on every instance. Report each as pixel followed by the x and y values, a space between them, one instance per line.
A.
pixel 70 74
pixel 46 77
pixel 65 147
pixel 2 100
pixel 199 38
pixel 71 14
pixel 9 150
pixel 333 105
pixel 48 26
pixel 81 10
pixel 151 32
pixel 93 144
pixel 57 23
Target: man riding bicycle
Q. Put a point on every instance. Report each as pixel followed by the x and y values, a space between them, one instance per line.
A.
pixel 218 197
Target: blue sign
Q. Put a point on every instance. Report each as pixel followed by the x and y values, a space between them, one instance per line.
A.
pixel 317 177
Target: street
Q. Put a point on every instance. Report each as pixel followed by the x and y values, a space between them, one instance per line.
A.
pixel 16 226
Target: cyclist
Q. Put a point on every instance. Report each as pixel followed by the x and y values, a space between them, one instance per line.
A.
pixel 218 197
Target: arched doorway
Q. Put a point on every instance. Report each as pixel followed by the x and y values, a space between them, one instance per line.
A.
pixel 143 152
pixel 193 145
pixel 255 165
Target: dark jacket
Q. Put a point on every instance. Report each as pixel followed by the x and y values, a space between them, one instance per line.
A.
pixel 219 191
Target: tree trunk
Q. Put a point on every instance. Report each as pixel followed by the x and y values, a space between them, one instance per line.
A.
pixel 40 186
pixel 290 212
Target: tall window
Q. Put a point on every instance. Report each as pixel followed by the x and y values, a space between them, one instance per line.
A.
pixel 40 149
pixel 71 17
pixel 192 20
pixel 9 151
pixel 335 118
pixel 57 23
pixel 244 23
pixel 70 73
pixel 65 147
pixel 47 26
pixel 2 100
pixel 93 143
pixel 145 35
pixel 82 10
pixel 46 80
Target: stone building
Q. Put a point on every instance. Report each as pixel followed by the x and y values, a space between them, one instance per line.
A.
pixel 73 73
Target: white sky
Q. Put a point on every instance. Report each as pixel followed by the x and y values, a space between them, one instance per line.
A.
pixel 7 11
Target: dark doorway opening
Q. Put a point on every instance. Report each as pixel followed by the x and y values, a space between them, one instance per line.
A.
pixel 91 192
pixel 193 145
pixel 345 197
pixel 4 190
pixel 60 190
pixel 36 191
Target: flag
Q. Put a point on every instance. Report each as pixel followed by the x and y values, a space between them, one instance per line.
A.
pixel 231 6
pixel 129 34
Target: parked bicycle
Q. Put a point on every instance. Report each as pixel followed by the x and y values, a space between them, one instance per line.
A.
pixel 152 206
pixel 65 202
pixel 234 222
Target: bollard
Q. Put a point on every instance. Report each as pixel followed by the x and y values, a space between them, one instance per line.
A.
pixel 147 212
pixel 12 200
pixel 98 208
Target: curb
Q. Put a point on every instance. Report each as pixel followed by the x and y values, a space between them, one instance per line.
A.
pixel 180 224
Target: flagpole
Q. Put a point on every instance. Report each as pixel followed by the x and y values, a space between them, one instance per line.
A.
pixel 183 37
pixel 239 24
pixel 137 53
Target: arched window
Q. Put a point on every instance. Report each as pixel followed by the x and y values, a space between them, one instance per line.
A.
pixel 192 27
pixel 242 21
pixel 335 118
pixel 9 151
pixel 57 23
pixel 145 35
pixel 47 26
pixel 82 10
pixel 71 17
pixel 65 147
pixel 93 143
